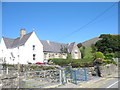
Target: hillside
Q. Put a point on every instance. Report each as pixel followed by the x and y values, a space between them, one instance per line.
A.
pixel 90 42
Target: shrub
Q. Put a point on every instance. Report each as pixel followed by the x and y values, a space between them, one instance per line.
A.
pixel 109 55
pixel 109 61
pixel 88 53
pixel 99 55
pixel 74 62
pixel 69 56
pixel 38 67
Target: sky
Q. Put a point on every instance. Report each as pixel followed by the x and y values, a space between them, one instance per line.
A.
pixel 59 21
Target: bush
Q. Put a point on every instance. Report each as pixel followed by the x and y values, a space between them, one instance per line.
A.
pixel 61 61
pixel 109 61
pixel 74 62
pixel 38 67
pixel 99 55
pixel 109 55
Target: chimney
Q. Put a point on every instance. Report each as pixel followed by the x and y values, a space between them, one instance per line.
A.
pixel 22 33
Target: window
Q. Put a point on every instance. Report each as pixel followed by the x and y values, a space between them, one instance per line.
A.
pixel 49 55
pixel 53 55
pixel 34 56
pixel 33 47
pixel 75 52
pixel 63 53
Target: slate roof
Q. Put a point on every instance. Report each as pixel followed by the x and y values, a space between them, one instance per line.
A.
pixel 49 46
pixel 70 47
pixel 12 43
pixel 8 42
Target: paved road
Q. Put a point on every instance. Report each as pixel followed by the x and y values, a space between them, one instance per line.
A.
pixel 108 82
pixel 112 83
pixel 103 82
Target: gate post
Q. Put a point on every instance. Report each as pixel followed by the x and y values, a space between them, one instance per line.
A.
pixel 66 76
pixel 75 75
pixel 85 74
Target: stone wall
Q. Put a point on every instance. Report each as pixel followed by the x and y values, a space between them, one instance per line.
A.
pixel 109 69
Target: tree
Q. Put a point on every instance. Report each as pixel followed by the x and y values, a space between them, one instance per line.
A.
pixel 109 55
pixel 82 50
pixel 117 54
pixel 63 49
pixel 108 44
pixel 94 48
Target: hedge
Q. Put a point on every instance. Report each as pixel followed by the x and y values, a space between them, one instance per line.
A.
pixel 74 62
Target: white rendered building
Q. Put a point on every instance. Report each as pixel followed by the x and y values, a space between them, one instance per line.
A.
pixel 25 49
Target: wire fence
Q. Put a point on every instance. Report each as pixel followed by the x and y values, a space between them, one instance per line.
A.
pixel 42 78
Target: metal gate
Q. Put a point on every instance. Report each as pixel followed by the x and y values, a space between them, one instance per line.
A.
pixel 76 75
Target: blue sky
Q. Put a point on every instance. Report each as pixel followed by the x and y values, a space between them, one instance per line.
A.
pixel 55 21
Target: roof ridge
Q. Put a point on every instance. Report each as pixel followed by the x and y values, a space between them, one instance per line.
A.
pixel 12 43
pixel 7 38
pixel 25 34
pixel 53 42
pixel 22 37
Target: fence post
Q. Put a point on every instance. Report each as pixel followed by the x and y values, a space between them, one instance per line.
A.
pixel 63 76
pixel 60 77
pixel 44 74
pixel 85 74
pixel 7 70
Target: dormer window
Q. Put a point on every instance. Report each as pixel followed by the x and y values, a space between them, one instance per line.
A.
pixel 33 47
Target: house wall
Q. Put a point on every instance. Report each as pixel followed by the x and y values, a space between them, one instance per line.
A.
pixel 4 53
pixel 50 55
pixel 28 50
pixel 76 54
